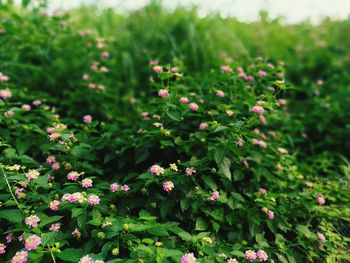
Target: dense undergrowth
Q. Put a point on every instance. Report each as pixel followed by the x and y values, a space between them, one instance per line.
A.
pixel 165 137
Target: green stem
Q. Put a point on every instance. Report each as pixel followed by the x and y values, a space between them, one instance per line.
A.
pixel 53 257
pixel 9 187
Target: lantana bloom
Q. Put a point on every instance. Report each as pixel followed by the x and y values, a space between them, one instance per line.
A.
pixel 188 258
pixel 156 170
pixel 20 257
pixel 250 255
pixel 168 186
pixel 32 221
pixel 32 242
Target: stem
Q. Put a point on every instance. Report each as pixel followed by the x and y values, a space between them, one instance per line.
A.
pixel 53 257
pixel 9 187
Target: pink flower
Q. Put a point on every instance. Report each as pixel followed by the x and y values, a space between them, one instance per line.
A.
pixel 93 200
pixel 262 119
pixel 220 93
pixel 51 159
pixel 76 233
pixel 183 100
pixel 271 215
pixel 240 142
pixel 190 171
pixel 156 170
pixel 86 259
pixel 282 102
pixel 261 143
pixel 250 79
pixel 87 119
pixel 32 242
pixel 32 174
pixel 125 188
pixel 9 113
pixel 321 200
pixel 26 107
pixel 37 103
pixel 32 221
pixel 193 106
pixel 55 227
pixel 262 74
pixel 188 258
pixel 3 78
pixel 250 255
pixel 114 187
pixel 163 93
pixel 174 70
pixel 9 237
pixel 242 75
pixel 154 62
pixel 20 257
pixel 262 255
pixel 321 237
pixel 100 87
pixel 19 193
pixel 282 150
pixel 105 54
pixel 226 69
pixel 203 126
pixel 86 183
pixel 55 166
pixel 214 195
pixel 73 176
pixel 245 163
pixel 158 69
pixel 262 191
pixel 86 77
pixel 54 205
pixel 168 186
pixel 258 109
pixel 2 248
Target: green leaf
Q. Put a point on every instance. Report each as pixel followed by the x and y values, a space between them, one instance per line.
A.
pixel 201 224
pixel 304 231
pixel 9 152
pixel 210 182
pixel 48 238
pixel 12 215
pixel 219 155
pixel 220 128
pixel 48 220
pixel 224 168
pixel 70 255
pixel 166 207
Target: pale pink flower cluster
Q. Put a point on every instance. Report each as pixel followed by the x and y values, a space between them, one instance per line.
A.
pixel 214 195
pixel 168 186
pixel 32 174
pixel 20 257
pixel 250 255
pixel 220 93
pixel 3 78
pixel 258 109
pixel 125 188
pixel 76 233
pixel 260 143
pixel 86 259
pixel 93 200
pixel 156 170
pixel 262 191
pixel 203 126
pixel 321 200
pixel 9 113
pixel 9 237
pixel 73 176
pixel 225 69
pixel 158 69
pixel 183 100
pixel 26 107
pixel 262 256
pixel 105 54
pixel 32 221
pixel 86 183
pixel 87 119
pixel 269 213
pixel 262 74
pixel 190 171
pixel 2 248
pixel 321 237
pixel 114 187
pixel 55 166
pixel 74 198
pixel 231 260
pixel 188 258
pixel 193 106
pixel 94 86
pixel 51 159
pixel 54 205
pixel 56 132
pixel 5 94
pixel 240 142
pixel 163 93
pixel 55 227
pixel 282 150
pixel 282 102
pixel 145 116
pixel 32 242
pixel 20 193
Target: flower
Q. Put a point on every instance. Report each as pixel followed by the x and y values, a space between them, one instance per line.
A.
pixel 240 142
pixel 321 237
pixel 190 171
pixel 55 166
pixel 76 233
pixel 214 195
pixel 158 69
pixel 86 259
pixel 3 78
pixel 2 248
pixel 250 255
pixel 93 200
pixel 220 93
pixel 232 260
pixel 163 93
pixel 321 200
pixel 105 54
pixel 37 103
pixel 258 109
pixel 183 100
pixel 55 227
pixel 262 191
pixel 51 159
pixel 225 69
pixel 168 186
pixel 20 193
pixel 262 74
pixel 86 183
pixel 282 102
pixel 9 113
pixel 174 70
pixel 32 242
pixel 87 119
pixel 9 237
pixel 271 215
pixel 114 187
pixel 188 258
pixel 262 256
pixel 203 126
pixel 193 106
pixel 282 150
pixel 125 188
pixel 86 77
pixel 173 167
pixel 20 257
pixel 5 94
pixel 73 176
pixel 156 170
pixel 32 221
pixel 229 113
pixel 26 107
pixel 54 205
pixel 32 174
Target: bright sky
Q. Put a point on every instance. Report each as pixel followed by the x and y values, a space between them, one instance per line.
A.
pixel 246 10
